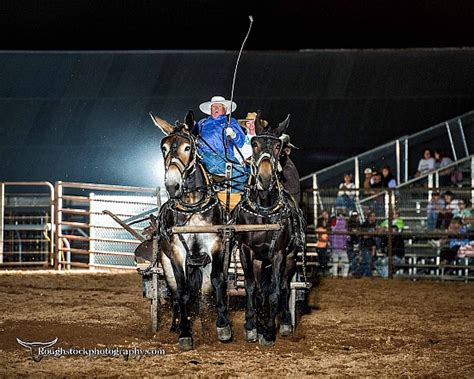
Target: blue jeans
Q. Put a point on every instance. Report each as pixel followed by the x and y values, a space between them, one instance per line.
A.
pixel 215 164
pixel 381 265
pixel 362 263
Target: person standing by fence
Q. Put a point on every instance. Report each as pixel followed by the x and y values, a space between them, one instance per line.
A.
pixel 322 240
pixel 338 244
pixel 368 248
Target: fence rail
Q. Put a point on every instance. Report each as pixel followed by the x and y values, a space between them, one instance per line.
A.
pixel 76 233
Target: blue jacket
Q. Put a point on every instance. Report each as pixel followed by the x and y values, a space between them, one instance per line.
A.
pixel 212 132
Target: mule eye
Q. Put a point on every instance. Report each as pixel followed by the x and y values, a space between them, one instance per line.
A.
pixel 278 146
pixel 254 144
pixel 187 148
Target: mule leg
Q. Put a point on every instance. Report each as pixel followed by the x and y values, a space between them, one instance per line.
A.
pixel 285 321
pixel 278 265
pixel 250 327
pixel 185 339
pixel 171 281
pixel 205 300
pixel 261 273
pixel 224 332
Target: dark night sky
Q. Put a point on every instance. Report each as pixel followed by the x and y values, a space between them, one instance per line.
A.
pixel 345 91
pixel 218 25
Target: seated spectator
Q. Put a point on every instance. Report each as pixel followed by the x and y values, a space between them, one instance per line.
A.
pixel 466 251
pixel 442 161
pixel 376 179
pixel 433 208
pixel 378 202
pixel 338 243
pixel 463 213
pixel 322 240
pixel 368 246
pixel 446 213
pixel 346 194
pixel 367 182
pixel 458 239
pixel 426 163
pixel 388 181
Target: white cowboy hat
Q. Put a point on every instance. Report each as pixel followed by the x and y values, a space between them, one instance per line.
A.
pixel 206 106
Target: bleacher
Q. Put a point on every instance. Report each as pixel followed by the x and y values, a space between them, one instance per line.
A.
pixel 410 197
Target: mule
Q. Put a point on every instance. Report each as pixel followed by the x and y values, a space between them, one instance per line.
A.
pixel 268 258
pixel 192 262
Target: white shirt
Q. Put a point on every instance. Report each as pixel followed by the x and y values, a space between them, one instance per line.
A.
pixel 426 165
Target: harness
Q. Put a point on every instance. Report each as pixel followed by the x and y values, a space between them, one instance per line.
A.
pixel 283 209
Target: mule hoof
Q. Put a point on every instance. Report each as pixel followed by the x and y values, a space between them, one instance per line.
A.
pixel 285 330
pixel 224 334
pixel 251 335
pixel 185 343
pixel 262 341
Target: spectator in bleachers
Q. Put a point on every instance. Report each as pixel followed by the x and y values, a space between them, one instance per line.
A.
pixel 388 181
pixel 367 182
pixel 426 163
pixel 378 202
pixel 446 214
pixel 398 244
pixel 338 243
pixel 368 246
pixel 346 194
pixel 433 208
pixel 322 241
pixel 376 179
pixel 463 213
pixel 457 239
pixel 353 243
pixel 442 161
pixel 466 251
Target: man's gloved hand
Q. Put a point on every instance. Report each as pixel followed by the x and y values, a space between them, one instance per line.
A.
pixel 230 132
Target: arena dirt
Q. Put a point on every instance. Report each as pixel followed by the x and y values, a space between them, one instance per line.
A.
pixel 357 327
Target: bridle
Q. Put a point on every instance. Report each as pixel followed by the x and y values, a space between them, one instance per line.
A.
pixel 266 153
pixel 185 169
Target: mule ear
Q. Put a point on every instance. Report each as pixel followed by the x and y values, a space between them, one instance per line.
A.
pixel 282 126
pixel 258 126
pixel 165 126
pixel 190 120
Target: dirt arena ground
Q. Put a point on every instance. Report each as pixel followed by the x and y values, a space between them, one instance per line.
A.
pixel 357 327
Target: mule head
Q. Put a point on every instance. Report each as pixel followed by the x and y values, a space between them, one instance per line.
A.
pixel 266 150
pixel 179 154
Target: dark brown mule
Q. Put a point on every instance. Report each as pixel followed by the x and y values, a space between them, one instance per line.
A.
pixel 192 263
pixel 268 258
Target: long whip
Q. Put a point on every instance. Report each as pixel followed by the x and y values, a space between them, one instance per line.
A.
pixel 237 65
pixel 228 139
